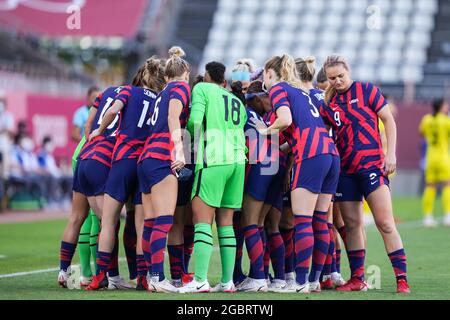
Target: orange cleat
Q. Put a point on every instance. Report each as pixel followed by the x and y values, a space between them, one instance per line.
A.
pixel 99 281
pixel 354 284
pixel 402 286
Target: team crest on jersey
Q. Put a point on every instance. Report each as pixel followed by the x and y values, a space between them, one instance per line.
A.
pixel 320 96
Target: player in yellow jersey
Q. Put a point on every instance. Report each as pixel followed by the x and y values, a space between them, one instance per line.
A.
pixel 435 128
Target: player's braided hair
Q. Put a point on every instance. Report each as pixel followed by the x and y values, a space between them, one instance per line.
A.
pixel 284 68
pixel 176 65
pixel 306 68
pixel 332 61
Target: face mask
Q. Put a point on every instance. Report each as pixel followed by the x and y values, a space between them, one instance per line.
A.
pixel 27 145
pixel 49 147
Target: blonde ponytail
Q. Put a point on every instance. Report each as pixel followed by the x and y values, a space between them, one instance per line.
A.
pixel 306 68
pixel 176 65
pixel 284 67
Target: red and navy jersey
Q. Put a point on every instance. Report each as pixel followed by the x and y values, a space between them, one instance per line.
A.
pixel 134 122
pixel 270 118
pixel 353 116
pixel 159 144
pixel 258 145
pixel 307 135
pixel 101 147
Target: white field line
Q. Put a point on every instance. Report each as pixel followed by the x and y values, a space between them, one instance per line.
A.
pixel 405 225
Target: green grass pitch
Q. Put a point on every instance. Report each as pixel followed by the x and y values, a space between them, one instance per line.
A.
pixel 34 246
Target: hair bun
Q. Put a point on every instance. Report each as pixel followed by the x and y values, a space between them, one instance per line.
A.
pixel 152 64
pixel 176 52
pixel 310 60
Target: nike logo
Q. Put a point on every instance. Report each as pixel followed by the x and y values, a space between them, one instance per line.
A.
pixel 259 288
pixel 372 183
pixel 198 288
pixel 298 290
pixel 354 101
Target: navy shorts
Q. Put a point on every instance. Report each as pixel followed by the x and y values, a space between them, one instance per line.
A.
pixel 152 171
pixel 265 187
pixel 319 174
pixel 90 177
pixel 353 187
pixel 123 181
pixel 185 188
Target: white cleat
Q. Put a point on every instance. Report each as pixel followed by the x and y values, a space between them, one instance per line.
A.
pixel 195 287
pixel 62 278
pixel 337 279
pixel 85 281
pixel 224 287
pixel 277 285
pixel 429 222
pixel 298 288
pixel 446 220
pixel 118 283
pixel 315 287
pixel 253 285
pixel 161 286
pixel 290 278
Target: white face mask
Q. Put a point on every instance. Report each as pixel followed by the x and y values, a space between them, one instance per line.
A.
pixel 27 145
pixel 49 147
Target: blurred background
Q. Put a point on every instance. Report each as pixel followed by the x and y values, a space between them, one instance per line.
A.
pixel 54 52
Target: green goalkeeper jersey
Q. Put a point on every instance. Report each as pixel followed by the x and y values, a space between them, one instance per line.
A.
pixel 216 123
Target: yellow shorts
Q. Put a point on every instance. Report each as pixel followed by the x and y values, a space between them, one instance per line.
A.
pixel 437 171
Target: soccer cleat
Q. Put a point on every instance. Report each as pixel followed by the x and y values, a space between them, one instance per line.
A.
pixel 429 221
pixel 187 277
pixel 99 281
pixel 141 284
pixel 315 287
pixel 62 278
pixel 402 286
pixel 253 285
pixel 195 287
pixel 239 279
pixel 354 284
pixel 327 283
pixel 290 278
pixel 446 220
pixel 277 285
pixel 118 283
pixel 337 279
pixel 297 288
pixel 85 281
pixel 224 287
pixel 161 286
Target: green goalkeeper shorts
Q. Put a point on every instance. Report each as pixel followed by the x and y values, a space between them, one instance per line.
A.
pixel 220 186
pixel 77 152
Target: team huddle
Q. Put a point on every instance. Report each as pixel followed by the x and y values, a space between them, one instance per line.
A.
pixel 280 163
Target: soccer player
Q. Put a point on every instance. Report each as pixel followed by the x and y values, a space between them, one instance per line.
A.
pixel 101 163
pixel 354 110
pixel 316 162
pixel 263 189
pixel 306 70
pixel 242 72
pixel 217 123
pixel 435 128
pixel 160 163
pixel 322 80
pixel 87 240
pixel 133 104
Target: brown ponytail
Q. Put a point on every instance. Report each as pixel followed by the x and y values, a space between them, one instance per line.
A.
pixel 306 68
pixel 153 74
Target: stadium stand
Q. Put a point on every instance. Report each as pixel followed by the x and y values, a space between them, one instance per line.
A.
pixel 244 28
